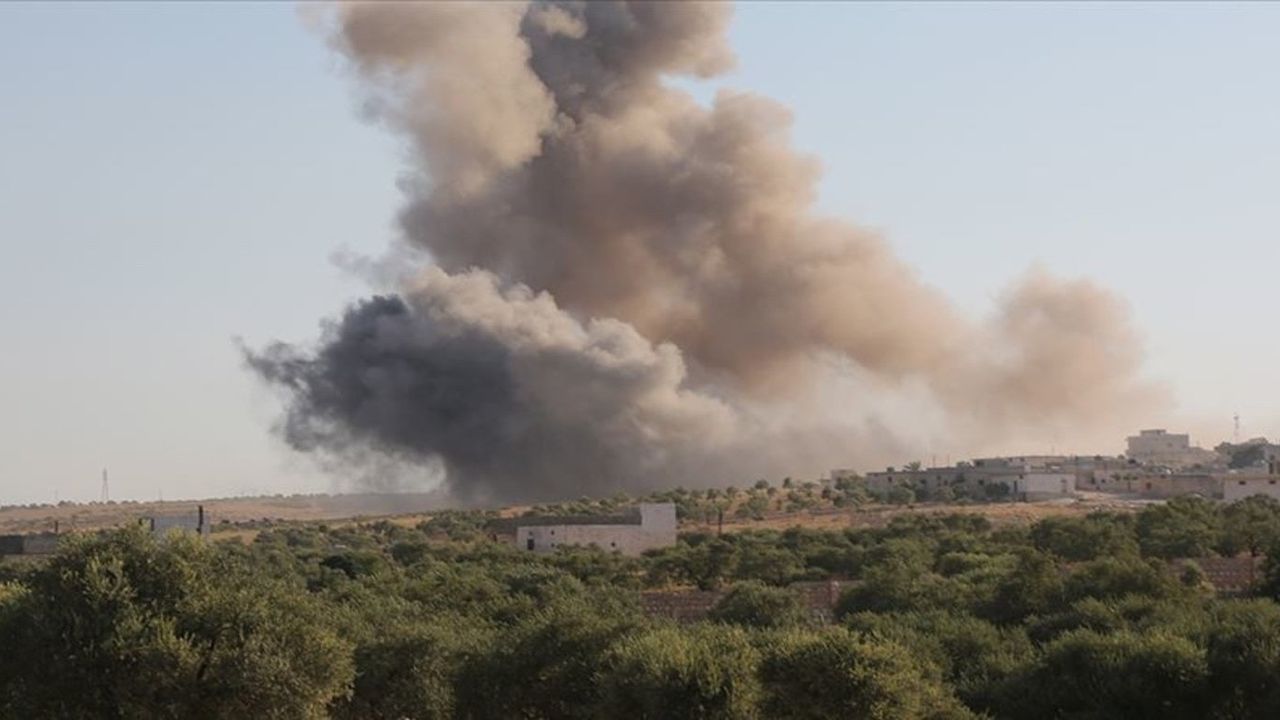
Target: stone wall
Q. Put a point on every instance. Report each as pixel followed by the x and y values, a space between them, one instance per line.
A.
pixel 1230 576
pixel 819 597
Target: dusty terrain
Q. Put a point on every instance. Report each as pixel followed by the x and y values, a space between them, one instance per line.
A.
pixel 880 515
pixel 222 511
pixel 236 517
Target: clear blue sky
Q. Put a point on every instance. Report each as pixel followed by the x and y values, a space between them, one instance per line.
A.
pixel 173 176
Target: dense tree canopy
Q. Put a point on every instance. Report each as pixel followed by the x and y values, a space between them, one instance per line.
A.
pixel 943 616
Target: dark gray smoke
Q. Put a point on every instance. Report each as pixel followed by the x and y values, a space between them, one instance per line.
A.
pixel 518 399
pixel 623 230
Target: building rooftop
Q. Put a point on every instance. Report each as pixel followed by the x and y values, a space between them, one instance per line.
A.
pixel 544 520
pixel 511 524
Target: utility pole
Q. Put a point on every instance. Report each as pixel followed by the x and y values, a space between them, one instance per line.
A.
pixel 1236 436
pixel 106 490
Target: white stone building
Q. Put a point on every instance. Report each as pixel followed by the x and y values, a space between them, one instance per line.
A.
pixel 654 526
pixel 1033 485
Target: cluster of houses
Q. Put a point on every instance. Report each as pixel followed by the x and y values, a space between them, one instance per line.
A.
pixel 1157 464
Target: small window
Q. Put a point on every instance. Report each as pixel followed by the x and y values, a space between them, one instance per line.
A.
pixel 553 532
pixel 1271 482
pixel 1241 482
pixel 614 544
pixel 529 544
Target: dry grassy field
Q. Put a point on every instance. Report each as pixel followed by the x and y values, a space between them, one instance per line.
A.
pixel 234 517
pixel 880 515
pixel 222 511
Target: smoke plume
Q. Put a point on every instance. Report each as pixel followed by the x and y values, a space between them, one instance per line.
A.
pixel 627 288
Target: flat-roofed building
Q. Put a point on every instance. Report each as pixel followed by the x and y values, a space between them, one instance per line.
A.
pixel 1022 480
pixel 652 526
pixel 1240 485
pixel 1172 450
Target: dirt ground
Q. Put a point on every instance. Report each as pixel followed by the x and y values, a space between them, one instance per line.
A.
pixel 94 516
pixel 880 515
pixel 233 518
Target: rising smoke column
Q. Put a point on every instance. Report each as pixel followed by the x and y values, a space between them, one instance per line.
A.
pixel 517 397
pixel 582 174
pixel 627 285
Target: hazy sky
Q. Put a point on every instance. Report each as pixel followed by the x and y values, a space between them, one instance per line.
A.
pixel 175 176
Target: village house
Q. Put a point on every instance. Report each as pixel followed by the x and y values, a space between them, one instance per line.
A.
pixel 1148 483
pixel 1264 480
pixel 653 526
pixel 1172 450
pixel 1025 478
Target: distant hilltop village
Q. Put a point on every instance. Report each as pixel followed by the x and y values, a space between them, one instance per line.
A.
pixel 1158 464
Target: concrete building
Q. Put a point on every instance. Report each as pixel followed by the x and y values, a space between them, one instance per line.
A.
pixel 1043 485
pixel 1239 487
pixel 1025 461
pixel 1257 456
pixel 1024 478
pixel 1263 481
pixel 1172 450
pixel 34 544
pixel 654 526
pixel 196 522
pixel 1143 482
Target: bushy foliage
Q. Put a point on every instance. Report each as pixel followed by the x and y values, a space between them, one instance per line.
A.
pixel 754 604
pixel 705 672
pixel 941 616
pixel 1089 538
pixel 1121 674
pixel 812 676
pixel 1183 527
pixel 123 626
